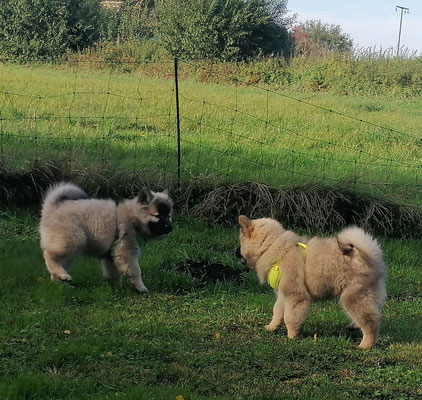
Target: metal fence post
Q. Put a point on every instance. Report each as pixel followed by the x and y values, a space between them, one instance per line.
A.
pixel 176 81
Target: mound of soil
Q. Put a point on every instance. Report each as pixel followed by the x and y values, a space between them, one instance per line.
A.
pixel 211 272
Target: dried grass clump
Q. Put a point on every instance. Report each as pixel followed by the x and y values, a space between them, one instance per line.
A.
pixel 313 208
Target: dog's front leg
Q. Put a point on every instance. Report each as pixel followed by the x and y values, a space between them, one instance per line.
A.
pixel 130 267
pixel 295 313
pixel 126 260
pixel 134 272
pixel 278 314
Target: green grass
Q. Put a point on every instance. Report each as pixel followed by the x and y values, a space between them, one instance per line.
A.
pixel 184 338
pixel 96 120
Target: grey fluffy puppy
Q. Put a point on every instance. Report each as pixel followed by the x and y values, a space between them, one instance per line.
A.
pixel 73 224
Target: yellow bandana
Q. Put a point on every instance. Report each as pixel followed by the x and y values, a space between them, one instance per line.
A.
pixel 274 276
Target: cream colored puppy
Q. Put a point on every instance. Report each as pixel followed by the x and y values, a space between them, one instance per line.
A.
pixel 349 266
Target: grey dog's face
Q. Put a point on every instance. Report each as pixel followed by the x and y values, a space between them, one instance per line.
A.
pixel 157 212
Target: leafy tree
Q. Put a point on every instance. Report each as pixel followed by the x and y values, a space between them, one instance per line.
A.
pixel 314 34
pixel 47 28
pixel 132 20
pixel 222 29
pixel 83 21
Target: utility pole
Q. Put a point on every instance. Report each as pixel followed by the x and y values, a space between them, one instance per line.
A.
pixel 406 10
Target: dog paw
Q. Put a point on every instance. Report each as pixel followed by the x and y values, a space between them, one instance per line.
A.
pixel 64 277
pixel 270 327
pixel 366 344
pixel 292 334
pixel 142 290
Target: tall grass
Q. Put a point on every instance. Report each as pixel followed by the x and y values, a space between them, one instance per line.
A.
pixel 364 71
pixel 379 52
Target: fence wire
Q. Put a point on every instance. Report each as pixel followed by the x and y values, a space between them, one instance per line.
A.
pixel 92 116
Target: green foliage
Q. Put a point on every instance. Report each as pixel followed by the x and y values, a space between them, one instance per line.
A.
pixel 335 73
pixel 133 20
pixel 47 28
pixel 32 28
pixel 222 29
pixel 329 37
pixel 109 24
pixel 83 20
pixel 131 51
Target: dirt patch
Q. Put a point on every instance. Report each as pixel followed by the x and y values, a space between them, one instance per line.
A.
pixel 211 272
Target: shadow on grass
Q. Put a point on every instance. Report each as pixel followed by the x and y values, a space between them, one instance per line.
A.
pixel 403 325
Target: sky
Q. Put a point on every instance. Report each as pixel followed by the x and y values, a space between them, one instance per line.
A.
pixel 369 23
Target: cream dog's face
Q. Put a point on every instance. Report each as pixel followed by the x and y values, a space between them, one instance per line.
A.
pixel 245 251
pixel 256 237
pixel 253 238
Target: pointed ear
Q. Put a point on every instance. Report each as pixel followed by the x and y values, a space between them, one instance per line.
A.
pixel 145 196
pixel 246 225
pixel 165 192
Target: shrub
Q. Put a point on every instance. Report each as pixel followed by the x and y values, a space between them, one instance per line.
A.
pixel 47 28
pixel 132 20
pixel 222 29
pixel 314 36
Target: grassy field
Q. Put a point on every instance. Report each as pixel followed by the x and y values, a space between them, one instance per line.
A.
pixel 191 338
pixel 96 119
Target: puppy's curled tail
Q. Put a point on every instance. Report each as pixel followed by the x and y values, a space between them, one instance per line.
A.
pixel 61 192
pixel 354 239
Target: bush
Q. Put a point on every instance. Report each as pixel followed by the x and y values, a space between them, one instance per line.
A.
pixel 316 38
pixel 47 28
pixel 133 20
pixel 222 29
pixel 137 51
pixel 83 23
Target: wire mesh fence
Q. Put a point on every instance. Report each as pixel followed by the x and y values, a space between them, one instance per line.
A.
pixel 94 116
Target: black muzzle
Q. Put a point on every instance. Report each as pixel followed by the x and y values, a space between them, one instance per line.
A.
pixel 161 227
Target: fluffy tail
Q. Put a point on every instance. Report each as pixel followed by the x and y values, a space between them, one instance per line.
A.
pixel 61 192
pixel 354 239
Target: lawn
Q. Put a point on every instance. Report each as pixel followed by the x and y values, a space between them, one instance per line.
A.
pixel 97 119
pixel 193 335
pixel 192 338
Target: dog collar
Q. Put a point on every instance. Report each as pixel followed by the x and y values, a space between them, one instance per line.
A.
pixel 274 276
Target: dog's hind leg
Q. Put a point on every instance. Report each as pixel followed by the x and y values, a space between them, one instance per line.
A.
pixel 57 265
pixel 352 326
pixel 294 314
pixel 363 309
pixel 110 271
pixel 278 314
